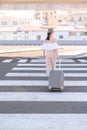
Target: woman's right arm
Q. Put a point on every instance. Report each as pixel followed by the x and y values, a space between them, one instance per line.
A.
pixel 56 52
pixel 43 48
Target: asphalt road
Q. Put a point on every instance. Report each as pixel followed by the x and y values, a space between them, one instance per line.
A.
pixel 24 90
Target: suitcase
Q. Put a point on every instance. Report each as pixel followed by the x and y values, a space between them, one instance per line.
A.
pixel 56 79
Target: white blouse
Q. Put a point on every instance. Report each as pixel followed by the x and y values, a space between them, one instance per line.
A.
pixel 50 46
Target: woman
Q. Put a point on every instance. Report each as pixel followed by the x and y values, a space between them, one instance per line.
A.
pixel 50 51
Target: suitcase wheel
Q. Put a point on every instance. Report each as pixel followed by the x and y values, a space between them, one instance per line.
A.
pixel 56 90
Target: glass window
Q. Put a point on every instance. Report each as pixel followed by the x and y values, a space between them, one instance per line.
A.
pixel 72 33
pixel 51 13
pixel 25 22
pixel 26 32
pixel 80 18
pixel 46 13
pixel 15 32
pixel 82 33
pixel 85 33
pixel 72 19
pixel 3 23
pixel 60 36
pixel 28 22
pixel 15 22
pixel 22 22
pixel 59 20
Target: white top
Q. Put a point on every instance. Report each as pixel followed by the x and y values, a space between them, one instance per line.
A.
pixel 50 46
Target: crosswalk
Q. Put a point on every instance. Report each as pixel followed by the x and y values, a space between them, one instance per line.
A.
pixel 17 60
pixel 27 104
pixel 41 61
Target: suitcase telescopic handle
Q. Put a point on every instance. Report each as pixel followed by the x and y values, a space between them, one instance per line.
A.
pixel 59 62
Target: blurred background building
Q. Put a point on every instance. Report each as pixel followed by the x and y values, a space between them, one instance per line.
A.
pixel 67 23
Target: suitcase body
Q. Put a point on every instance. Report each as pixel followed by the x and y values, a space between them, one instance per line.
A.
pixel 56 80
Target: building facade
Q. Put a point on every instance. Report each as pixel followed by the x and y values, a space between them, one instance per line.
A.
pixel 57 18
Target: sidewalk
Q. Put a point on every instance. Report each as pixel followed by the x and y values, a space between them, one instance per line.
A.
pixel 31 51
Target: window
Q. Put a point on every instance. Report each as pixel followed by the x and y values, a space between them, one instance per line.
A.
pixel 72 19
pixel 22 22
pixel 60 36
pixel 80 19
pixel 25 22
pixel 84 18
pixel 15 32
pixel 85 33
pixel 3 23
pixel 28 22
pixel 51 13
pixel 26 32
pixel 81 33
pixel 59 20
pixel 15 22
pixel 72 33
pixel 46 13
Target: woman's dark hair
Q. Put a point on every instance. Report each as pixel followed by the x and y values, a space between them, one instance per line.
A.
pixel 50 31
pixel 48 36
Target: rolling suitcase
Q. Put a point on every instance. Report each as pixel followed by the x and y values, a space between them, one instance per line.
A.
pixel 56 79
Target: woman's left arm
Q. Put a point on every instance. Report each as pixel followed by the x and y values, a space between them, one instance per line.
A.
pixel 44 53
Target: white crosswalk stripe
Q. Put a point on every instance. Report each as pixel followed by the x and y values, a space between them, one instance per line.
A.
pixel 67 110
pixel 43 75
pixel 43 60
pixel 36 65
pixel 39 83
pixel 82 60
pixel 22 61
pixel 17 60
pixel 43 121
pixel 40 96
pixel 7 61
pixel 40 69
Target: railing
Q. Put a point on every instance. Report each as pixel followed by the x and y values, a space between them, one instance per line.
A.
pixel 38 43
pixel 39 35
